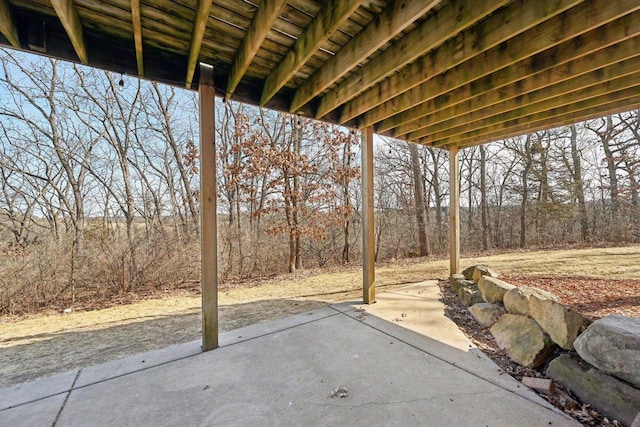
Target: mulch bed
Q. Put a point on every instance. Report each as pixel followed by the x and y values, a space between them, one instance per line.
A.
pixel 482 338
pixel 593 297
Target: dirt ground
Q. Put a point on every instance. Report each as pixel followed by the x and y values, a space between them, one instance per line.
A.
pixel 56 342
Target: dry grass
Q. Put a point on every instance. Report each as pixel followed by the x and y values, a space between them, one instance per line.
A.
pixel 128 329
pixel 618 263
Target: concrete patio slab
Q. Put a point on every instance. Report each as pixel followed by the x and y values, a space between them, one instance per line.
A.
pixel 36 390
pixel 285 372
pixel 36 414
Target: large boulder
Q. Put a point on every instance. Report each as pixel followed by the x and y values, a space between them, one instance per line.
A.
pixel 476 271
pixel 612 344
pixel 561 323
pixel 468 272
pixel 486 314
pixel 523 340
pixel 461 283
pixel 469 295
pixel 483 271
pixel 493 289
pixel 516 300
pixel 455 277
pixel 614 398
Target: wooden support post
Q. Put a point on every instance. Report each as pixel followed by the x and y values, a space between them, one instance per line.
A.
pixel 208 210
pixel 454 212
pixel 368 234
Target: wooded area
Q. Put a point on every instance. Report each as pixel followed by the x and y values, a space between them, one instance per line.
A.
pixel 99 179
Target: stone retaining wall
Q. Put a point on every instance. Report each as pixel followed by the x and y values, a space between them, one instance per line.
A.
pixel 601 362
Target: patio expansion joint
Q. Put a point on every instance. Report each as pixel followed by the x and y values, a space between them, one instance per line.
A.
pixel 458 366
pixel 28 402
pixel 64 403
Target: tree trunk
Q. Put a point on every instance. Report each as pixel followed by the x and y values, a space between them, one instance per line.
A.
pixel 437 196
pixel 418 183
pixel 612 169
pixel 484 207
pixel 578 185
pixel 525 192
pixel 296 197
pixel 468 158
pixel 164 107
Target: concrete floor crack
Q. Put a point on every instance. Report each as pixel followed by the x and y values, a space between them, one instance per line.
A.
pixel 64 403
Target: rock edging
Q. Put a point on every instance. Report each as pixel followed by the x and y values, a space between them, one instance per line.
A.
pixel 529 323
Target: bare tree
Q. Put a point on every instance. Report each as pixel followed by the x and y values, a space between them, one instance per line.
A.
pixel 418 191
pixel 435 170
pixel 49 122
pixel 484 204
pixel 162 118
pixel 578 186
pixel 607 131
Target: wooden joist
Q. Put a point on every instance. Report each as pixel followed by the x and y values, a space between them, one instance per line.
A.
pixel 530 47
pixel 603 83
pixel 7 25
pixel 509 23
pixel 321 28
pixel 137 35
pixel 565 87
pixel 587 108
pixel 199 27
pixel 428 35
pixel 615 107
pixel 603 46
pixel 70 20
pixel 266 14
pixel 395 18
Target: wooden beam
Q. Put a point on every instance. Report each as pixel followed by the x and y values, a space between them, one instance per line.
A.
pixel 368 221
pixel 454 212
pixel 137 35
pixel 559 116
pixel 7 24
pixel 614 107
pixel 199 27
pixel 598 48
pixel 395 18
pixel 569 24
pixel 266 14
pixel 535 94
pixel 326 22
pixel 530 106
pixel 70 20
pixel 208 210
pixel 429 34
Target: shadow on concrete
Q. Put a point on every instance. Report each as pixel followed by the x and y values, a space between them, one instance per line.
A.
pixel 64 351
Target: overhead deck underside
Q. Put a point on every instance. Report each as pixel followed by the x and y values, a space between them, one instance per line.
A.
pixel 443 73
